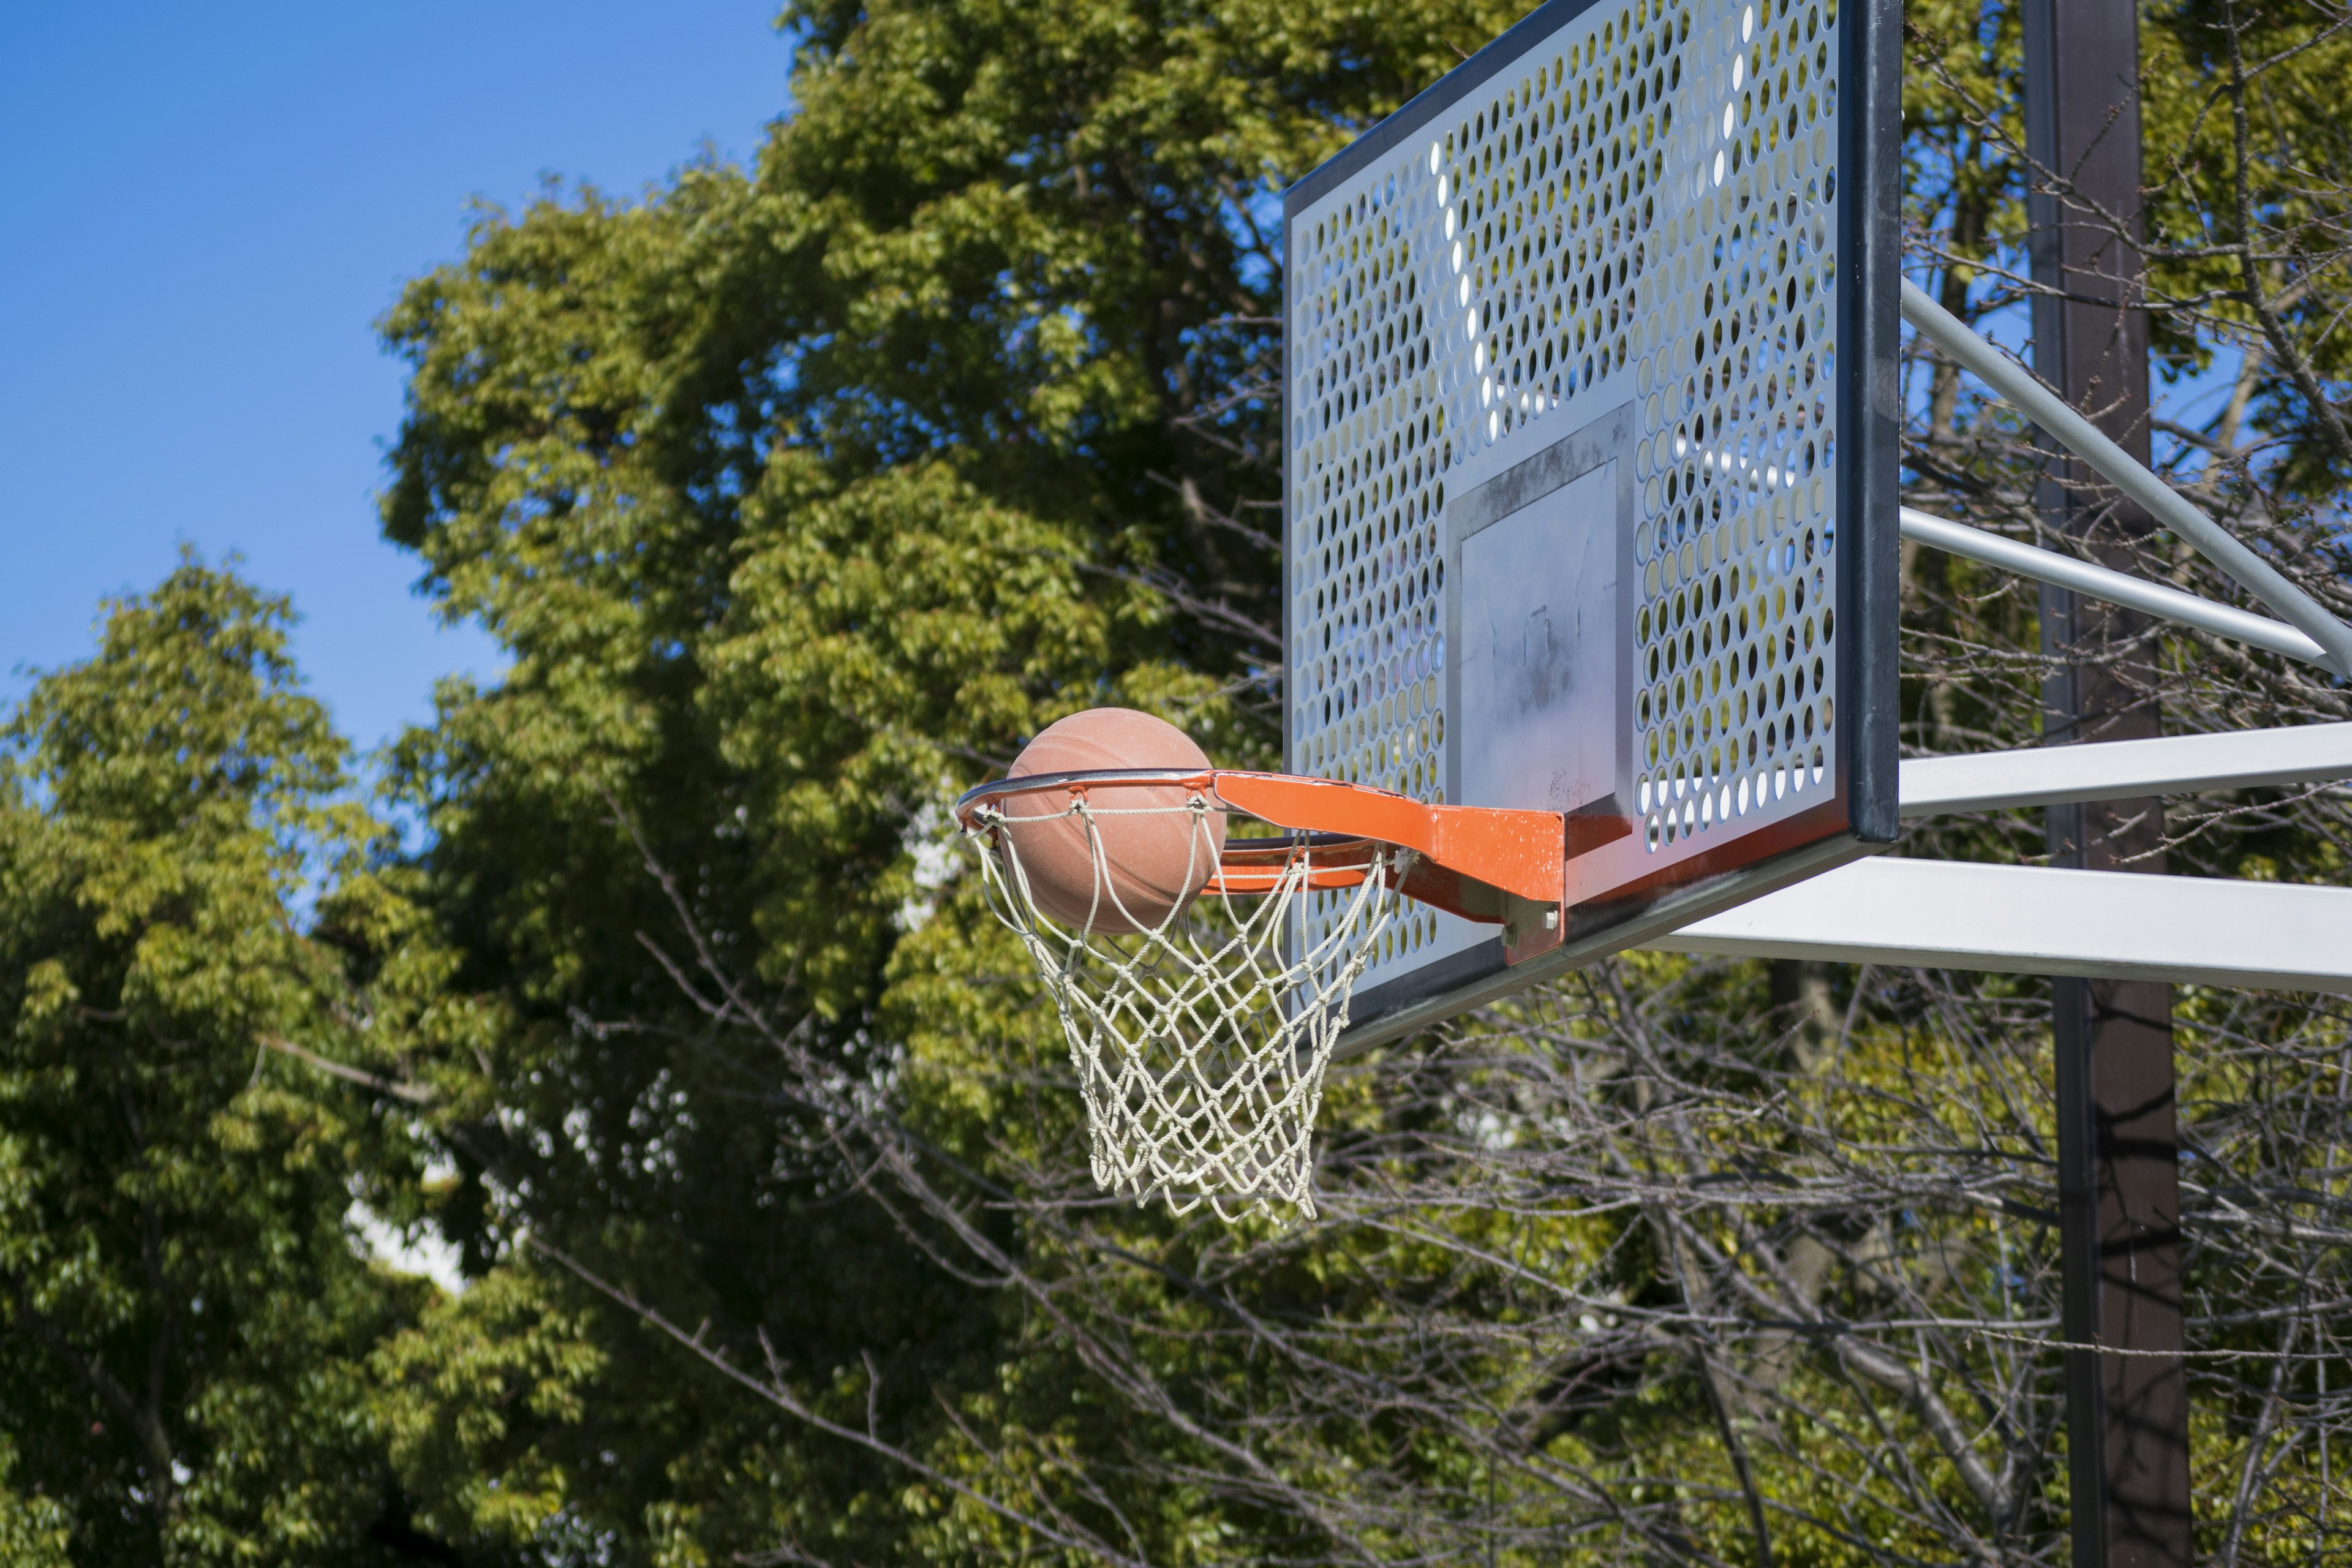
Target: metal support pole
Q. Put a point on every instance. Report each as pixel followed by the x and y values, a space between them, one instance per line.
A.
pixel 2031 919
pixel 2118 1181
pixel 2127 470
pixel 2122 770
pixel 2115 587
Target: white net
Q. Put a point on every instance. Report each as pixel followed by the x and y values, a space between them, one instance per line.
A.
pixel 1201 1041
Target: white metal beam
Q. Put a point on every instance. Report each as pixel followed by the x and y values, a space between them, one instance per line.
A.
pixel 2027 920
pixel 2115 587
pixel 2123 769
pixel 2038 403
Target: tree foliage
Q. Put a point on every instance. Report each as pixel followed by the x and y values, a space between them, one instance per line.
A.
pixel 801 495
pixel 185 1372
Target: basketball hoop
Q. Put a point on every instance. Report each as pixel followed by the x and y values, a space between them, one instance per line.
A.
pixel 1200 1034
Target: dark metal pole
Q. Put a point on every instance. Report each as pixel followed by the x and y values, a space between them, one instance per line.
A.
pixel 2127 1414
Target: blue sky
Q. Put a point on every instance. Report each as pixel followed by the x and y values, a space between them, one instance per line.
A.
pixel 209 206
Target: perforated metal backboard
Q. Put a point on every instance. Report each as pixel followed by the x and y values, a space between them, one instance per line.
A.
pixel 1590 504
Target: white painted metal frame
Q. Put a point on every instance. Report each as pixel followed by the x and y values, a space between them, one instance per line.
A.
pixel 2102 924
pixel 2037 402
pixel 2029 919
pixel 2026 920
pixel 2120 770
pixel 2115 587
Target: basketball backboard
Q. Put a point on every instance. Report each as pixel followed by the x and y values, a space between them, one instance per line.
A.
pixel 1591 463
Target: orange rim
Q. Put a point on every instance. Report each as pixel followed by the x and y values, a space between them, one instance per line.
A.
pixel 1262 865
pixel 1520 853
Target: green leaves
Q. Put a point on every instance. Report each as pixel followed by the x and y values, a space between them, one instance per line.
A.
pixel 187 1316
pixel 469 1389
pixel 800 496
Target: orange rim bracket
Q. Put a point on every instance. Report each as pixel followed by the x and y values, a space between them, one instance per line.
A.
pixel 1483 863
pixel 1490 864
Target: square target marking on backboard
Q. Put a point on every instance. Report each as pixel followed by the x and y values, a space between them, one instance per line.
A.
pixel 1589 469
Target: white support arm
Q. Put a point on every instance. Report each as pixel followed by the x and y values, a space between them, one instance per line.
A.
pixel 2026 920
pixel 2119 770
pixel 2025 393
pixel 2115 587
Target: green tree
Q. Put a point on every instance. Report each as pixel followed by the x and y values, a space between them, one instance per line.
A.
pixel 800 496
pixel 184 1374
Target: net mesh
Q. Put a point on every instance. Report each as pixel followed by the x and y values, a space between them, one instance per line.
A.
pixel 1200 1042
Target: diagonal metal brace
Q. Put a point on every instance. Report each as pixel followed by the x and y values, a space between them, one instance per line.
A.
pixel 2115 587
pixel 2027 394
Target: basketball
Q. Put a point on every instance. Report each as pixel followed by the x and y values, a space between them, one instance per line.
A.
pixel 1155 863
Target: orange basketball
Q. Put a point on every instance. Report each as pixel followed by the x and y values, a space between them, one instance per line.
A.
pixel 1154 864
